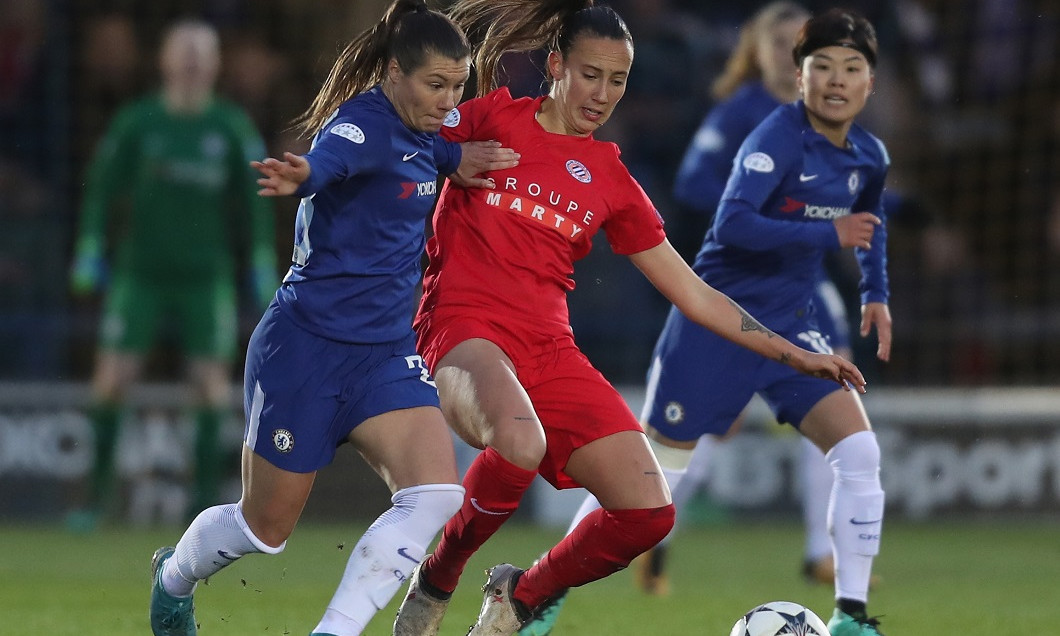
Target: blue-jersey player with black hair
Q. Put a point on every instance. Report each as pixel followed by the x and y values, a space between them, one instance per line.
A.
pixel 333 359
pixel 806 181
pixel 758 77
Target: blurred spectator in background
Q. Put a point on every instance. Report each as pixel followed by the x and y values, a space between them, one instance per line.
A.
pixel 107 76
pixel 31 132
pixel 174 170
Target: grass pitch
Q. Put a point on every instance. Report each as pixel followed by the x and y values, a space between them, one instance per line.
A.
pixel 938 579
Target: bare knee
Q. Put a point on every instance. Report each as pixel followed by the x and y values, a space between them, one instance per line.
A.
pixel 520 442
pixel 268 530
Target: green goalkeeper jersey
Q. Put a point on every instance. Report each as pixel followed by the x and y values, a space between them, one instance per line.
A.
pixel 185 194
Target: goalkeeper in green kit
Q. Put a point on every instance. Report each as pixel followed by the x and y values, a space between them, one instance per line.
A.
pixel 172 179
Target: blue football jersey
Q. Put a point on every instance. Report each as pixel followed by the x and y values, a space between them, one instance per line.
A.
pixel 774 221
pixel 359 231
pixel 707 161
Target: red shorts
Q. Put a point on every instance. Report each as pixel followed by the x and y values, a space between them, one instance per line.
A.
pixel 575 403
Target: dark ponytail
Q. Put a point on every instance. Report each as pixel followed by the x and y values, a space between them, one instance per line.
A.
pixel 408 32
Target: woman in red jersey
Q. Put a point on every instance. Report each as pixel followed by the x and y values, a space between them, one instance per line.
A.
pixel 493 323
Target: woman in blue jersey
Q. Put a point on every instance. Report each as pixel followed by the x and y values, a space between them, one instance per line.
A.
pixel 807 180
pixel 759 76
pixel 333 358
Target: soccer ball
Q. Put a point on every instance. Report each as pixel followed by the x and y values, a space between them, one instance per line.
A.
pixel 779 618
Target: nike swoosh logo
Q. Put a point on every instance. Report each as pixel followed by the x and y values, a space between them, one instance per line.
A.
pixel 405 553
pixel 227 557
pixel 863 523
pixel 474 503
pixel 807 177
pixel 407 157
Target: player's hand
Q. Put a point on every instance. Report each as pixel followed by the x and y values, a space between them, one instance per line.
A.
pixel 88 274
pixel 281 178
pixel 830 367
pixel 856 230
pixel 478 157
pixel 878 314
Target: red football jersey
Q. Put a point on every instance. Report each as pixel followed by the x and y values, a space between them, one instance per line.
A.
pixel 509 252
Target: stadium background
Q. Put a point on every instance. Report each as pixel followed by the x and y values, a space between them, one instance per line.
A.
pixel 967 100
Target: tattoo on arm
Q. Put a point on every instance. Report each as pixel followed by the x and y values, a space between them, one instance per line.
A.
pixel 748 323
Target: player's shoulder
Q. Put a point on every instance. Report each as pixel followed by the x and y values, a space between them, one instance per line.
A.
pixel 501 97
pixel 368 109
pixel 365 120
pixel 137 115
pixel 498 103
pixel 870 144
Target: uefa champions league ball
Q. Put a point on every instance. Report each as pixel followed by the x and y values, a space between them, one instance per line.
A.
pixel 779 618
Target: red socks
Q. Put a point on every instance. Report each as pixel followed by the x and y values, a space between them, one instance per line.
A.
pixel 494 487
pixel 602 544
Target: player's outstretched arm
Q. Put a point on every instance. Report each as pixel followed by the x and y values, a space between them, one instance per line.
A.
pixel 712 309
pixel 281 178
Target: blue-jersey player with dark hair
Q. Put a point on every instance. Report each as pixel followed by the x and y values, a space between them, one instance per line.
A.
pixel 806 181
pixel 333 359
pixel 758 77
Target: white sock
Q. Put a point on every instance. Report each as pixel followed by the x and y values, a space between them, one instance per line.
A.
pixel 216 530
pixel 386 554
pixel 695 475
pixel 855 513
pixel 816 482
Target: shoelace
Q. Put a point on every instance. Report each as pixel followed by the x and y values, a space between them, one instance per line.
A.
pixel 874 623
pixel 176 616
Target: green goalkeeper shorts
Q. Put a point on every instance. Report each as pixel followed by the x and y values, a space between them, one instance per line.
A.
pixel 202 314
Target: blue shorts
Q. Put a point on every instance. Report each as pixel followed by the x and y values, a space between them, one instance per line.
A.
pixel 699 382
pixel 303 394
pixel 831 314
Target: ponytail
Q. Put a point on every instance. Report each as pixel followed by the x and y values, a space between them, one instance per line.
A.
pixel 499 26
pixel 408 32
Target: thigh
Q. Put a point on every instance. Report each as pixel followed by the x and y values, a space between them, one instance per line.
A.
pixel 291 395
pixel 114 372
pixel 408 447
pixel 381 378
pixel 698 382
pixel 485 403
pixel 273 498
pixel 621 471
pixel 790 394
pixel 211 379
pixel 835 417
pixel 577 406
pixel 132 314
pixel 831 315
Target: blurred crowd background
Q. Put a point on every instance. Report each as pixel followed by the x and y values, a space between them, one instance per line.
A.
pixel 967 100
